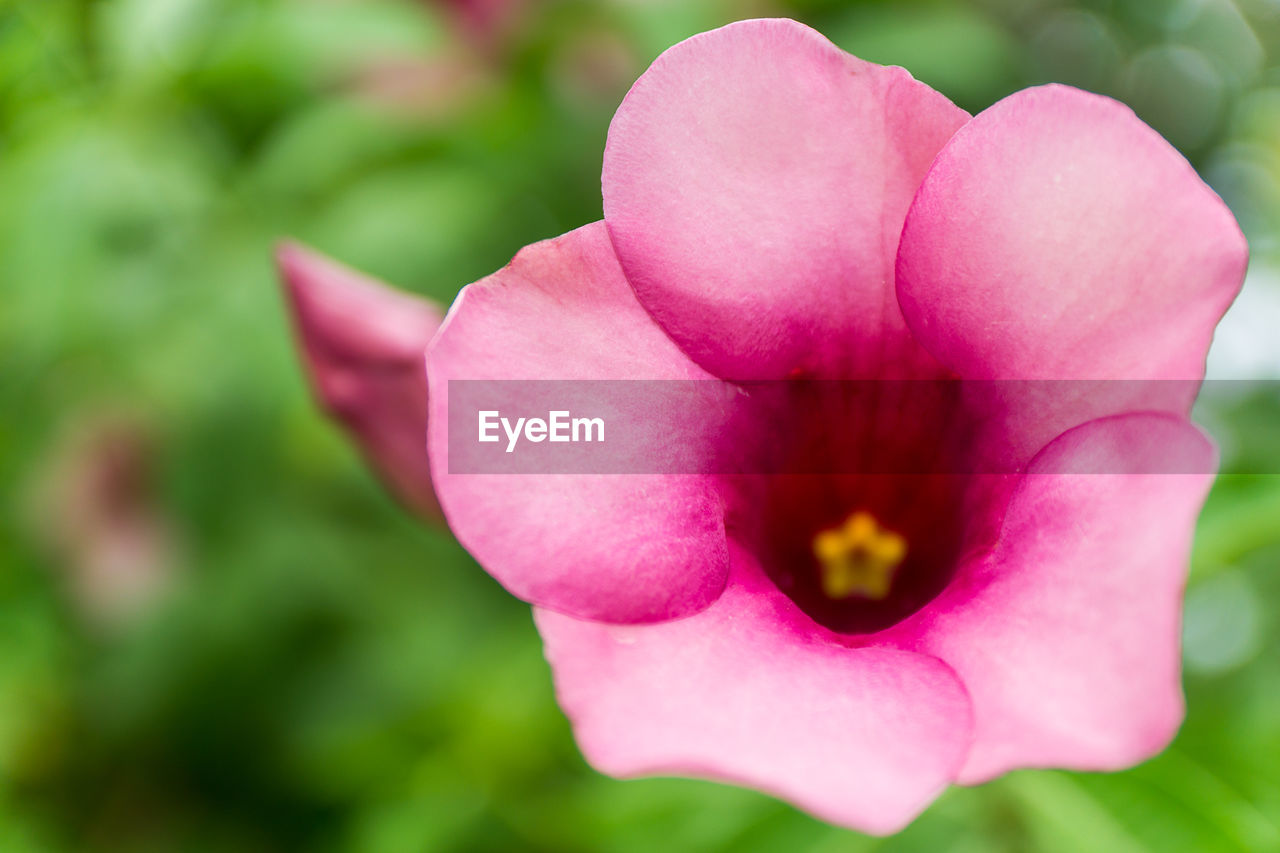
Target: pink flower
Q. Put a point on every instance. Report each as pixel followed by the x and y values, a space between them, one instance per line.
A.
pixel 775 208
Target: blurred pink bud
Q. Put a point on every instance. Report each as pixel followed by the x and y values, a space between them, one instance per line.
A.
pixel 99 513
pixel 597 67
pixel 363 345
pixel 486 22
pixel 429 87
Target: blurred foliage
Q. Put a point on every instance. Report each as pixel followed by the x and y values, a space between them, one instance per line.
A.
pixel 302 666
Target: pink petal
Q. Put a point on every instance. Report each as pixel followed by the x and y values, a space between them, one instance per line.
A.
pixel 1059 237
pixel 755 183
pixel 864 737
pixel 619 548
pixel 362 343
pixel 1067 634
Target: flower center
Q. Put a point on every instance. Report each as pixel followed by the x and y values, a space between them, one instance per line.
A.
pixel 859 558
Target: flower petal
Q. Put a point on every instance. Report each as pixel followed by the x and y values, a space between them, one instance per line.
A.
pixel 618 548
pixel 362 343
pixel 864 737
pixel 1067 634
pixel 755 182
pixel 1059 237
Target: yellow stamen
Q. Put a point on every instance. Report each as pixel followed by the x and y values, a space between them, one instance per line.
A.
pixel 858 558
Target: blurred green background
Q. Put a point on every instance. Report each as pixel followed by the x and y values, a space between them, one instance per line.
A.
pixel 218 634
